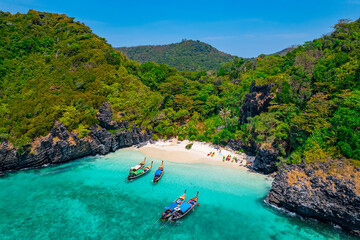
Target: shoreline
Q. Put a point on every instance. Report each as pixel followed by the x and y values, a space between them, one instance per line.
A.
pixel 175 151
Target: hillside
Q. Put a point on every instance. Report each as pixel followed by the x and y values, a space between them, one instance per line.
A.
pixel 55 69
pixel 66 93
pixel 186 55
pixel 284 51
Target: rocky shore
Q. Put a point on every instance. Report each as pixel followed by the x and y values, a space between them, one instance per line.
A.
pixel 61 146
pixel 329 192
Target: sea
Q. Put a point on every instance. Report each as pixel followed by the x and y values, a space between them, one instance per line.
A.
pixel 89 198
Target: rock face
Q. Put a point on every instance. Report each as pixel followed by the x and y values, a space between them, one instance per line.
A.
pixel 327 192
pixel 256 101
pixel 105 118
pixel 236 145
pixel 266 160
pixel 61 146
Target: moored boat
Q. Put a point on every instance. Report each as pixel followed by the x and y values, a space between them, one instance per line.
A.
pixel 139 166
pixel 140 172
pixel 159 172
pixel 169 210
pixel 184 208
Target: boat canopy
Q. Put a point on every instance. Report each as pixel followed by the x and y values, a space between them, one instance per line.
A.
pixel 158 172
pixel 171 206
pixel 185 206
pixel 138 171
pixel 136 167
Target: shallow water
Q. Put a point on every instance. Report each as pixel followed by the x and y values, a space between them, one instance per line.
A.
pixel 90 199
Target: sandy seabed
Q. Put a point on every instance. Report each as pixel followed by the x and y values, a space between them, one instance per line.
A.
pixel 174 150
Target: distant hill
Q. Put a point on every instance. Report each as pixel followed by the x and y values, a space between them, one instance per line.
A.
pixel 186 55
pixel 284 51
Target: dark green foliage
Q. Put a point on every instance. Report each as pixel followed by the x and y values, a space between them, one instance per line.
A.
pixel 186 55
pixel 188 147
pixel 52 68
pixel 315 113
pixel 347 125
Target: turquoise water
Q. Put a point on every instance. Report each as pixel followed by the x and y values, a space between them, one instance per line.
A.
pixel 89 199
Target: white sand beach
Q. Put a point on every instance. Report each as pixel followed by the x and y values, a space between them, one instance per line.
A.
pixel 174 150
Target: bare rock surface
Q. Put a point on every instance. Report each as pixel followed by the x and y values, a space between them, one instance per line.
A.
pixel 329 192
pixel 61 146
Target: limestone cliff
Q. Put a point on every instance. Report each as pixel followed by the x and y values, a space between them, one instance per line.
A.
pixel 329 192
pixel 256 101
pixel 61 146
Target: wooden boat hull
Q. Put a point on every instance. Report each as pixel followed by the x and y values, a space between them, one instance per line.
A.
pixel 179 214
pixel 174 219
pixel 156 179
pixel 166 217
pixel 138 176
pixel 180 200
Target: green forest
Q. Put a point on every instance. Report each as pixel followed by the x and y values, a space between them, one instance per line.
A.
pixel 55 68
pixel 187 55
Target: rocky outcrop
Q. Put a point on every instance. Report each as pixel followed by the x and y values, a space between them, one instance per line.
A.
pixel 329 192
pixel 61 146
pixel 105 118
pixel 256 101
pixel 266 160
pixel 236 145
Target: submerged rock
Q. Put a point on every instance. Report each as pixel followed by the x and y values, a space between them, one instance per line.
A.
pixel 327 192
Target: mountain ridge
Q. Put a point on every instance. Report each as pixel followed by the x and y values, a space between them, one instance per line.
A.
pixel 189 55
pixel 303 107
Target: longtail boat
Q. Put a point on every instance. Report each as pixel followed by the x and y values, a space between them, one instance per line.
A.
pixel 184 208
pixel 139 166
pixel 169 210
pixel 159 172
pixel 140 172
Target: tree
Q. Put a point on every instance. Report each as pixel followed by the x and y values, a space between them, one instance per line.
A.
pixel 225 114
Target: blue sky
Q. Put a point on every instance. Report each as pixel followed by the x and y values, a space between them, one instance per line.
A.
pixel 242 28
